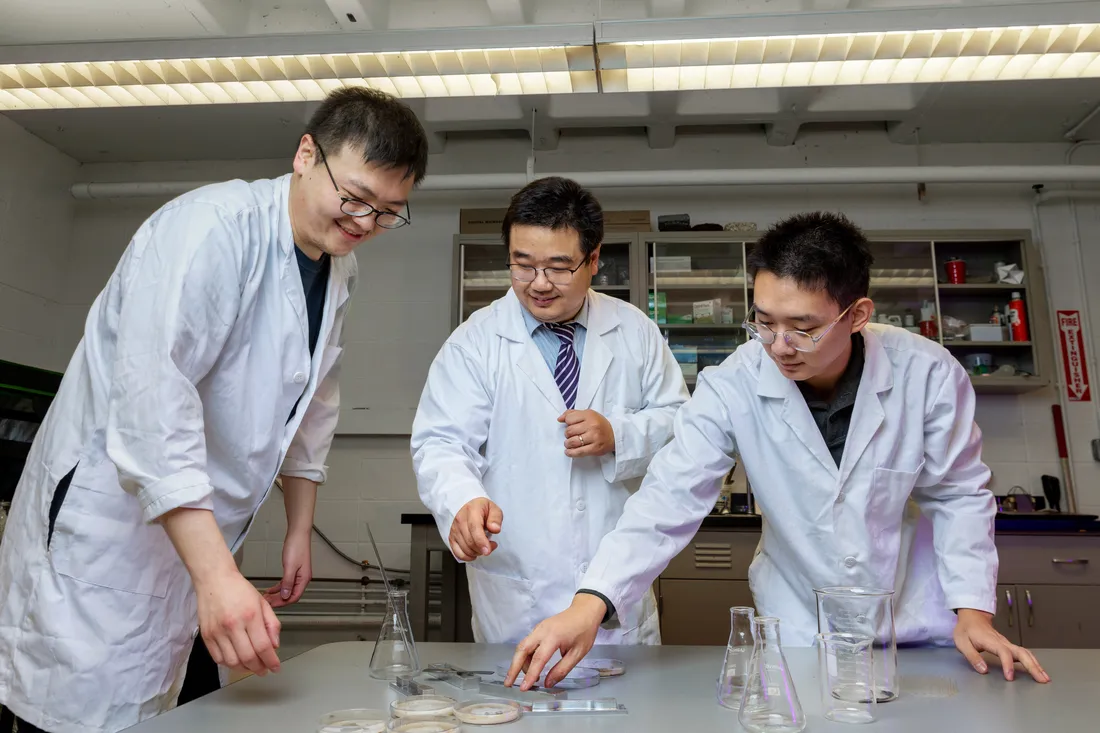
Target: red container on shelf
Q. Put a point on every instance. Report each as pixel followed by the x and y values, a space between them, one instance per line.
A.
pixel 956 271
pixel 1017 318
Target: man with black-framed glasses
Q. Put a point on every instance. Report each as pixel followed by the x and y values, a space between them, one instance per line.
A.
pixel 538 419
pixel 860 444
pixel 208 368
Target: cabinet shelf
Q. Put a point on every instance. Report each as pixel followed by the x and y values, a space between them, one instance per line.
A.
pixel 987 344
pixel 1006 385
pixel 980 288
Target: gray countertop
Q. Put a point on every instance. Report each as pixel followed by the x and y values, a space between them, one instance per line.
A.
pixel 668 688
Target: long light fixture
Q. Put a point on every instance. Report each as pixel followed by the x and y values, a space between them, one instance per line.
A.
pixel 464 73
pixel 888 57
pixel 893 57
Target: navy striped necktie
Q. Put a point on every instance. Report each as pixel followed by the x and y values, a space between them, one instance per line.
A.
pixel 568 371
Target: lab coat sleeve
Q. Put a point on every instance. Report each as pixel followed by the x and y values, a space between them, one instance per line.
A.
pixel 678 491
pixel 181 283
pixel 640 433
pixel 308 452
pixel 952 491
pixel 450 428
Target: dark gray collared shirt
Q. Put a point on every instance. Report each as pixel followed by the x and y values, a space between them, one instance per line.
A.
pixel 833 417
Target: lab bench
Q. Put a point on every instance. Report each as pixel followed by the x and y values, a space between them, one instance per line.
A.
pixel 1048 592
pixel 665 688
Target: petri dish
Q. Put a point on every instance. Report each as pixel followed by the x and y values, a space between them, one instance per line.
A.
pixel 424 725
pixel 359 720
pixel 423 706
pixel 578 677
pixel 487 712
pixel 606 667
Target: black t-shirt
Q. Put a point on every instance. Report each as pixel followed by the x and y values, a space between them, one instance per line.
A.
pixel 314 284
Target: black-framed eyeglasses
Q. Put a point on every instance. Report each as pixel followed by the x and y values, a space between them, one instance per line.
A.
pixel 797 340
pixel 359 208
pixel 554 275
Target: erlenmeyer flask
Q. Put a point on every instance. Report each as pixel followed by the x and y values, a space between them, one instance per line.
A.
pixel 395 650
pixel 770 704
pixel 735 665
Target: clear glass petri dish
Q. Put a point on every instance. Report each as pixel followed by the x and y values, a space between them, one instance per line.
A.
pixel 606 667
pixel 488 711
pixel 359 720
pixel 577 679
pixel 423 706
pixel 424 725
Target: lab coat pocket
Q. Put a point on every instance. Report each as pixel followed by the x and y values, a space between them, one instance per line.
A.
pixel 100 538
pixel 502 606
pixel 328 358
pixel 890 490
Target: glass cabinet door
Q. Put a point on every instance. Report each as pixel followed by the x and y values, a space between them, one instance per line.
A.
pixel 696 292
pixel 903 286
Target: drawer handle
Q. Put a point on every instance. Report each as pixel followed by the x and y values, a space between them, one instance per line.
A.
pixel 1030 610
pixel 1070 561
pixel 1008 599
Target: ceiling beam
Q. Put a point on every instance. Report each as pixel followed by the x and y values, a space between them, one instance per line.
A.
pixel 360 15
pixel 661 132
pixel 218 17
pixel 510 12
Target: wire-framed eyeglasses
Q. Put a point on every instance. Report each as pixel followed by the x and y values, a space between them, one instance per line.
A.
pixel 555 275
pixel 358 208
pixel 797 340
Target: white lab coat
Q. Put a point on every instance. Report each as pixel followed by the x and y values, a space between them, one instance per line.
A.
pixel 177 396
pixel 912 437
pixel 487 427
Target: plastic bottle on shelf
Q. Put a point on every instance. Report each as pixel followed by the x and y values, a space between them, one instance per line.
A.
pixel 1017 318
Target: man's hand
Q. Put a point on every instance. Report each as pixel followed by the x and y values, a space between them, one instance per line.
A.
pixel 974 633
pixel 239 628
pixel 572 632
pixel 475 522
pixel 297 571
pixel 587 433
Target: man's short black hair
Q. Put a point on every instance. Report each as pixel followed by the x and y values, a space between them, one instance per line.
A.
pixel 556 203
pixel 384 129
pixel 819 251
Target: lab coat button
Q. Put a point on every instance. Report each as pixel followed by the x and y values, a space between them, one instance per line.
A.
pixel 840 498
pixel 580 506
pixel 850 562
pixel 299 378
pixel 584 567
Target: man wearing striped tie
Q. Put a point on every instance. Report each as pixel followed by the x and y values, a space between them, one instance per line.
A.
pixel 539 417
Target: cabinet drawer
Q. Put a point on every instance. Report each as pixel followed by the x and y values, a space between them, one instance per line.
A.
pixel 1053 560
pixel 715 556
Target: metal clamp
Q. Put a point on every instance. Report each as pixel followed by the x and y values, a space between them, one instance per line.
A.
pixel 1008 599
pixel 1030 610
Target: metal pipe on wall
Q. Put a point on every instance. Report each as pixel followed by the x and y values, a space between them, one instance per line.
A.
pixel 1028 174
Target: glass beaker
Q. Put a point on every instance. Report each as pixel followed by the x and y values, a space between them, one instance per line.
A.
pixel 865 612
pixel 735 665
pixel 395 650
pixel 769 703
pixel 847 669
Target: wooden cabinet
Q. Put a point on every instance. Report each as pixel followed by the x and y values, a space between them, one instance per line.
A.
pixel 698 611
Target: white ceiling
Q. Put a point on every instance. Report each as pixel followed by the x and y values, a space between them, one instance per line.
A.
pixel 1031 111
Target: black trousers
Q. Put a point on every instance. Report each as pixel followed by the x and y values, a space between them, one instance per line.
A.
pixel 11 724
pixel 201 678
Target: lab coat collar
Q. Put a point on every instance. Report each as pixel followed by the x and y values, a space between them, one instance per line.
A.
pixel 601 317
pixel 867 415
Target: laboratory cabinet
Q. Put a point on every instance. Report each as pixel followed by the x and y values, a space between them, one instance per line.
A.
pixel 1047 597
pixel 950 286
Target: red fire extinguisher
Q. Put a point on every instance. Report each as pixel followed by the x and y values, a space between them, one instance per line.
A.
pixel 1017 318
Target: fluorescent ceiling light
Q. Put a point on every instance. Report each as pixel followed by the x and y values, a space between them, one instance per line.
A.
pixel 889 57
pixel 480 72
pixel 894 57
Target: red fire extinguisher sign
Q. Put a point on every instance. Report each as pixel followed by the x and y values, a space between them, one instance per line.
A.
pixel 1073 356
